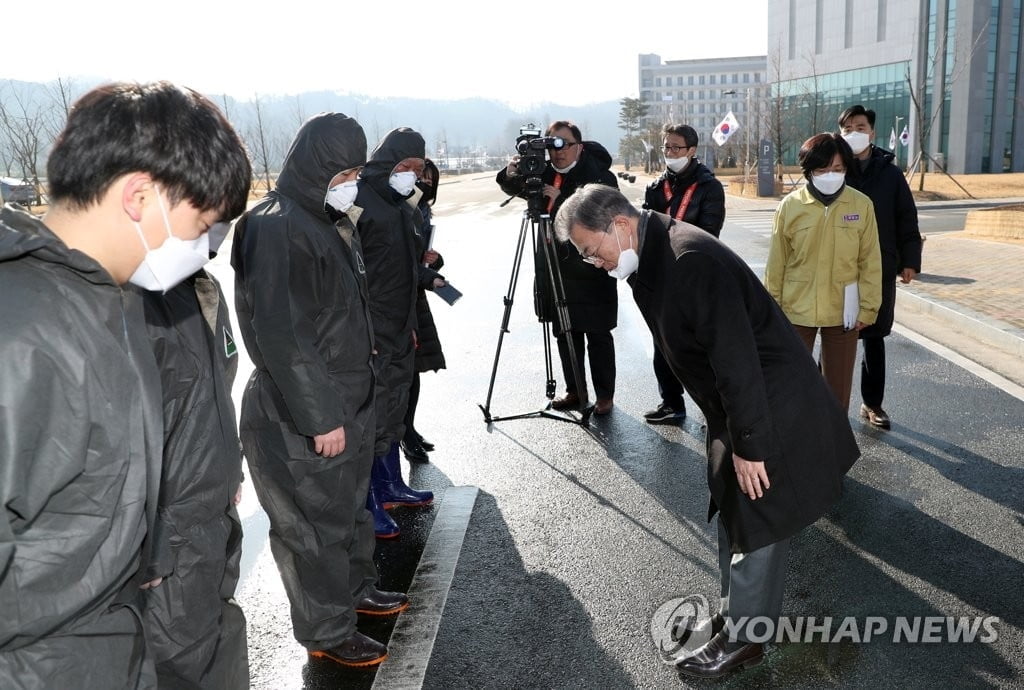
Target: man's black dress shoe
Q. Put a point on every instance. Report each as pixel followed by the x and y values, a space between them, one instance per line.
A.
pixel 720 657
pixel 378 603
pixel 415 452
pixel 427 445
pixel 876 416
pixel 710 627
pixel 358 650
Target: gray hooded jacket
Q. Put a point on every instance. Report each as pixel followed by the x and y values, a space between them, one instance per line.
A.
pixel 80 436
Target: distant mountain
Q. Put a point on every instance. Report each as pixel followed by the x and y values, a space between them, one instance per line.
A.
pixel 463 128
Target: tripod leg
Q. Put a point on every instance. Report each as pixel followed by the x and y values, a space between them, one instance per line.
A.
pixel 509 298
pixel 557 287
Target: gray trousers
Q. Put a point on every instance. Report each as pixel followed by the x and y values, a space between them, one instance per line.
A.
pixel 752 583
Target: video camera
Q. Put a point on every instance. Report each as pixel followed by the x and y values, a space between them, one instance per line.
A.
pixel 531 147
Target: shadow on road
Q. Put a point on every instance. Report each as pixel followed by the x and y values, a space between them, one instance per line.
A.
pixel 492 594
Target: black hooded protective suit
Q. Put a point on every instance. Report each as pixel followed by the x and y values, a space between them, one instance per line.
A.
pixel 387 229
pixel 80 436
pixel 196 631
pixel 300 296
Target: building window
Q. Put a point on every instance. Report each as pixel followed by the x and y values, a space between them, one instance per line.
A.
pixel 746 77
pixel 679 81
pixel 700 80
pixel 757 77
pixel 657 81
pixel 689 80
pixel 735 78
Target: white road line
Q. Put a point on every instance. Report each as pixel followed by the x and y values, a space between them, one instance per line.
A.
pixel 981 372
pixel 412 639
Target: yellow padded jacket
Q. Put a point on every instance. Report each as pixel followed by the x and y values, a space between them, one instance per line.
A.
pixel 817 250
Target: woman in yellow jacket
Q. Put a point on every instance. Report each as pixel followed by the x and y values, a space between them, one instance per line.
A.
pixel 824 242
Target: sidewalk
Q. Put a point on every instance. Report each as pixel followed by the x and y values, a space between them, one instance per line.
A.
pixel 975 287
pixel 970 294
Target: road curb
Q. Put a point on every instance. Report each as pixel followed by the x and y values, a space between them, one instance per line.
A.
pixel 964 320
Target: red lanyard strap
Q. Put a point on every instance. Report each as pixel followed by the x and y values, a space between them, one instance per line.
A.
pixel 681 211
pixel 557 184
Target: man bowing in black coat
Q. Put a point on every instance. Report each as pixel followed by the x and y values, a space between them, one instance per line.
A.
pixel 778 443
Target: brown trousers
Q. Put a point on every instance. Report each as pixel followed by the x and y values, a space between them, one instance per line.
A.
pixel 838 355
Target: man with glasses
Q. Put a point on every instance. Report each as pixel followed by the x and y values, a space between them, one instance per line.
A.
pixel 778 443
pixel 590 294
pixel 689 192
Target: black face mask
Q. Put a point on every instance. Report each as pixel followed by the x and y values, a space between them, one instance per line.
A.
pixel 429 192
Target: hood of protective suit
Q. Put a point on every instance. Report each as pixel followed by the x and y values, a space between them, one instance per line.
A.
pixel 325 145
pixel 397 145
pixel 22 233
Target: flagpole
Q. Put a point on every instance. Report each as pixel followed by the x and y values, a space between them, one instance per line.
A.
pixel 896 148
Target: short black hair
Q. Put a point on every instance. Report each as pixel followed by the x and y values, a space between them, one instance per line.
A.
pixel 430 172
pixel 171 132
pixel 818 152
pixel 688 133
pixel 559 124
pixel 855 110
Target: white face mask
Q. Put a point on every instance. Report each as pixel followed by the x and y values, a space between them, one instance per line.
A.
pixel 342 197
pixel 828 183
pixel 629 260
pixel 677 164
pixel 403 182
pixel 858 141
pixel 565 169
pixel 173 261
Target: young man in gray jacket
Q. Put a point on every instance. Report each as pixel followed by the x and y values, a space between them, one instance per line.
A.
pixel 138 175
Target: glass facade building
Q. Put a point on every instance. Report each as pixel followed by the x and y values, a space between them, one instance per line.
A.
pixel 947 70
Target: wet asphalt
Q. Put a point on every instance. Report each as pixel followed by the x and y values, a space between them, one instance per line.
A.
pixel 580 532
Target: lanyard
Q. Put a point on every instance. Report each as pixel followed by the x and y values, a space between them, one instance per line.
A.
pixel 557 184
pixel 681 211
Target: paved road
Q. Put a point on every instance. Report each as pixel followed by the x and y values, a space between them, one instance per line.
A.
pixel 579 535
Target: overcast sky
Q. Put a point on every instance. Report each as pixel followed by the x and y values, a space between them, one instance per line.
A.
pixel 572 53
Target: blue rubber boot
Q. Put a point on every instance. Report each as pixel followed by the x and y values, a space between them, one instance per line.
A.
pixel 383 526
pixel 392 490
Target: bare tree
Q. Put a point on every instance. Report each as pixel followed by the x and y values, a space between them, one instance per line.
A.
pixel 260 142
pixel 926 114
pixel 781 127
pixel 23 124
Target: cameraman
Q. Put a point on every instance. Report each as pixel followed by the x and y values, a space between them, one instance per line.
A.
pixel 590 294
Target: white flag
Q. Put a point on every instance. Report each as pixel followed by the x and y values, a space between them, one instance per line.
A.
pixel 892 139
pixel 904 137
pixel 725 129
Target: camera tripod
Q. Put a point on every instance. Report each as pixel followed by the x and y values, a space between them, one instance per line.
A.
pixel 537 224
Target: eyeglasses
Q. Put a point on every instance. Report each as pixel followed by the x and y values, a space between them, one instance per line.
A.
pixel 675 149
pixel 591 257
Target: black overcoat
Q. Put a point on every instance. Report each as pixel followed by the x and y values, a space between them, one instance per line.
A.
pixel 742 362
pixel 898 235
